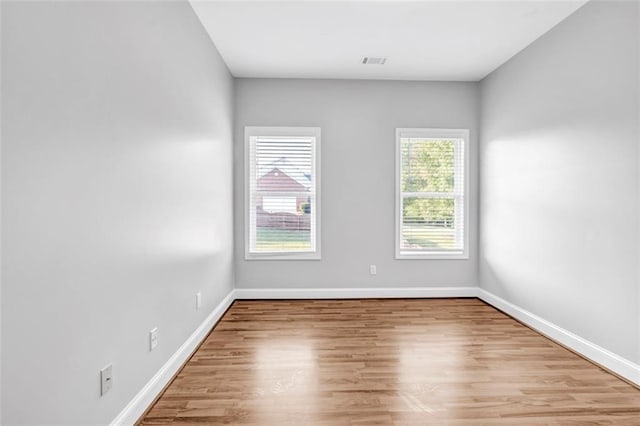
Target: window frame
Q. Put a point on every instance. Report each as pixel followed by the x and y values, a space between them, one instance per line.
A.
pixel 432 133
pixel 283 131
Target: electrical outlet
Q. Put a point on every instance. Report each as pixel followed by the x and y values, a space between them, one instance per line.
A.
pixel 153 339
pixel 106 379
pixel 373 270
pixel 198 300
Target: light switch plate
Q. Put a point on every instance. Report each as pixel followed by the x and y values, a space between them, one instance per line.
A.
pixel 106 379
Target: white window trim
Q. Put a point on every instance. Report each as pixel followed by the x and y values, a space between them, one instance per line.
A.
pixel 251 131
pixel 432 133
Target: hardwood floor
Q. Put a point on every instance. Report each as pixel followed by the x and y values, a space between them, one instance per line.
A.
pixel 387 362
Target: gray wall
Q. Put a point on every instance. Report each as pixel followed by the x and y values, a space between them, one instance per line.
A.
pixel 559 177
pixel 117 206
pixel 358 121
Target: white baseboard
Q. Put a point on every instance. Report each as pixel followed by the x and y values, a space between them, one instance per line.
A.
pixel 132 412
pixel 354 293
pixel 615 363
pixel 152 389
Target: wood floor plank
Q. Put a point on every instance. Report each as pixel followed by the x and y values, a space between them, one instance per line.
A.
pixel 387 362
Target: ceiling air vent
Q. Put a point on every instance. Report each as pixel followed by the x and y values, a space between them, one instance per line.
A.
pixel 371 60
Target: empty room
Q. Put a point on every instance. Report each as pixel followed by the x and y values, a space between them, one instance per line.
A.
pixel 320 212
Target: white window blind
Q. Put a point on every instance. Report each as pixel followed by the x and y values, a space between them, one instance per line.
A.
pixel 283 200
pixel 430 200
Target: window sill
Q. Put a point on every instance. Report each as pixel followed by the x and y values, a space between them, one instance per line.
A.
pixel 282 256
pixel 432 256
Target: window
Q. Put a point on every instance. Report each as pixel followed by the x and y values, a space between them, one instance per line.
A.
pixel 430 194
pixel 283 201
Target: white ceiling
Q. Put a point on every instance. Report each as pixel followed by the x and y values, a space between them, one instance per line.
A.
pixel 423 40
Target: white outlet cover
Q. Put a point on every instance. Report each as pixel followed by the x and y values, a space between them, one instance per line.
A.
pixel 106 379
pixel 153 339
pixel 198 300
pixel 373 270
